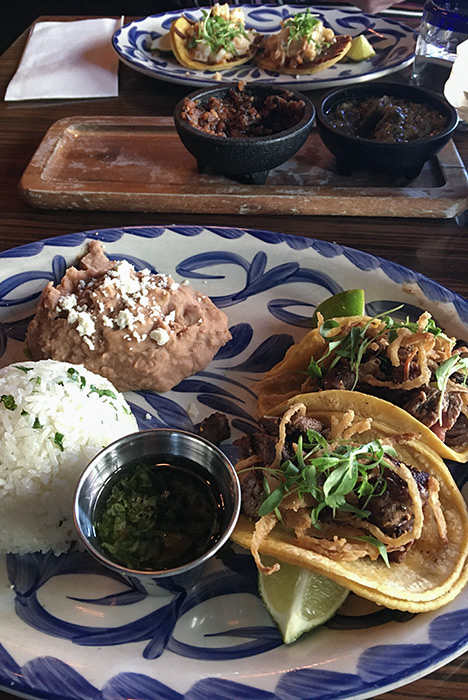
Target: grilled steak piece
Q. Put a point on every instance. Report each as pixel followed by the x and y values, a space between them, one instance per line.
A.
pixel 253 493
pixel 392 511
pixel 259 444
pixel 299 425
pixel 424 404
pixel 457 436
pixel 262 443
pixel 340 376
pixel 215 428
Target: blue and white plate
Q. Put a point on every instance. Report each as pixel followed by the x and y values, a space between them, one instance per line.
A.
pixel 71 630
pixel 137 45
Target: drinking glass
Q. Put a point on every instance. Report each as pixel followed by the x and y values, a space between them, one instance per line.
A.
pixel 444 26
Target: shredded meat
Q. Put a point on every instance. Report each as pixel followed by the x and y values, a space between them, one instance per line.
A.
pixel 339 377
pixel 215 428
pixel 263 442
pixel 253 492
pixel 241 115
pixel 392 511
pixel 457 437
pixel 423 404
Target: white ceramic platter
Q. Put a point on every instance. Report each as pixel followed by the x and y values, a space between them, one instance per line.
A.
pixel 137 46
pixel 71 631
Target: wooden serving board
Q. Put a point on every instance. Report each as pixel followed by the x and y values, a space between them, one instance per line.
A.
pixel 139 164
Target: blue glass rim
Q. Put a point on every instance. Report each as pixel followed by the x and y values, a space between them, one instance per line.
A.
pixel 447 15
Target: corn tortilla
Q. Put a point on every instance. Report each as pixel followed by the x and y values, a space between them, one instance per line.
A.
pixel 433 571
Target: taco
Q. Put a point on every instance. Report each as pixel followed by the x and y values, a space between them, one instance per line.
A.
pixel 302 46
pixel 218 41
pixel 334 484
pixel 416 367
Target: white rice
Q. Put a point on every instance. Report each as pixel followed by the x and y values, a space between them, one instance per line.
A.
pixel 46 406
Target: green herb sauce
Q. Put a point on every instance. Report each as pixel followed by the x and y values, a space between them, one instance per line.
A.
pixel 157 517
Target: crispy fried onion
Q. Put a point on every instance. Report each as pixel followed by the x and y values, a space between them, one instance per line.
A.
pixel 428 351
pixel 246 463
pixel 263 527
pixel 298 408
pixel 344 427
pixel 423 343
pixel 337 548
pixel 331 540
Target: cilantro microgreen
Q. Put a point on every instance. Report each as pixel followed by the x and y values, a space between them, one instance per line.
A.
pixel 353 344
pixel 217 32
pixel 330 474
pixel 301 25
pixel 272 500
pixel 377 543
pixel 445 371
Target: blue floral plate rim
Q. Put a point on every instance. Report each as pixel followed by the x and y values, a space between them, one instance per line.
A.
pixel 244 270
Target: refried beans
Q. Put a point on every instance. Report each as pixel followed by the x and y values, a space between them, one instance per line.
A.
pixel 139 329
pixel 239 114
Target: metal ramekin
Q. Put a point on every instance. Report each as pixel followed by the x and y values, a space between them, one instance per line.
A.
pixel 156 443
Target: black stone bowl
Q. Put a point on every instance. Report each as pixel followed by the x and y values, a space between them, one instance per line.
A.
pixel 248 159
pixel 402 158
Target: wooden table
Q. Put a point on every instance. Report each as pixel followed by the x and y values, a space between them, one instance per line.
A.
pixel 437 248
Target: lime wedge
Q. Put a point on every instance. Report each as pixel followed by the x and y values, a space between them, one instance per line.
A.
pixel 348 303
pixel 164 43
pixel 360 49
pixel 299 600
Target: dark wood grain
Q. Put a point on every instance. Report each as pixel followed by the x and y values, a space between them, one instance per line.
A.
pixel 437 248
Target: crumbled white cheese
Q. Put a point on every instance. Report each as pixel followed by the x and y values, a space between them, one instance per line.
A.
pixel 160 336
pixel 67 302
pixel 86 325
pixel 123 278
pixel 89 342
pixel 125 319
pixel 131 289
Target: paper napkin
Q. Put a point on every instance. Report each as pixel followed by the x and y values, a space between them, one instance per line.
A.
pixel 67 60
pixel 456 87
